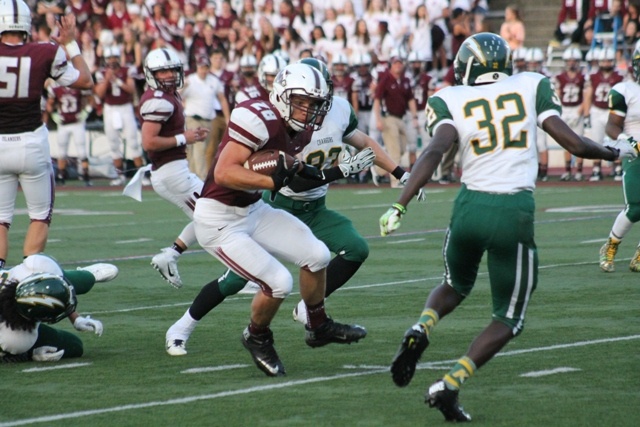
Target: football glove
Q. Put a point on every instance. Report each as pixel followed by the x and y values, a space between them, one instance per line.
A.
pixel 422 195
pixel 586 121
pixel 87 324
pixel 57 118
pixel 282 176
pixel 47 353
pixel 390 221
pixel 82 115
pixel 357 163
pixel 625 145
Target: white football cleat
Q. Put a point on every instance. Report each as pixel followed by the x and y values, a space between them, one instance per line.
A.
pixel 166 262
pixel 176 347
pixel 102 272
pixel 119 181
pixel 250 288
pixel 300 313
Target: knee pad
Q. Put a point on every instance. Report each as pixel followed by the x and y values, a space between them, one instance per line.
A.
pixel 356 251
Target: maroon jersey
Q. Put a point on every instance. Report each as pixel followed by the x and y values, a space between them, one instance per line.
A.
pixel 395 94
pixel 601 85
pixel 68 101
pixel 83 10
pixel 362 86
pixel 255 91
pixel 570 88
pixel 25 68
pixel 422 85
pixel 226 77
pixel 166 109
pixel 258 125
pixel 342 87
pixel 114 94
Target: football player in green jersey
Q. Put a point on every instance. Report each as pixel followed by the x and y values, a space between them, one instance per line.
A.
pixel 624 123
pixel 493 116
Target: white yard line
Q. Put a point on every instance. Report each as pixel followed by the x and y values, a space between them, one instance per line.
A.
pixel 189 399
pixel 54 367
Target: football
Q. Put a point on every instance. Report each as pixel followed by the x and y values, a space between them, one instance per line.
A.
pixel 265 162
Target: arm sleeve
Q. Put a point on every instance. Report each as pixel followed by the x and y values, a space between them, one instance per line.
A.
pixel 299 184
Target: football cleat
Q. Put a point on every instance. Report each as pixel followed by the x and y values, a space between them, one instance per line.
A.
pixel 103 272
pixel 117 182
pixel 249 289
pixel 634 265
pixel 595 177
pixel 300 313
pixel 565 176
pixel 617 174
pixel 166 262
pixel 403 365
pixel 263 353
pixel 446 401
pixel 176 347
pixel 607 254
pixel 578 176
pixel 333 332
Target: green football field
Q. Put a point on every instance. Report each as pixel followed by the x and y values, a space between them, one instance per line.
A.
pixel 576 363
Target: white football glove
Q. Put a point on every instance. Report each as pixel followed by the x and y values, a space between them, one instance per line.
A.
pixel 87 324
pixel 47 354
pixel 390 221
pixel 422 195
pixel 625 144
pixel 356 163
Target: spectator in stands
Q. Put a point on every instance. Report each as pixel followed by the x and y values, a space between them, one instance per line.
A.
pixel 319 41
pixel 286 14
pixel 374 14
pixel 347 16
pixel 83 11
pixel 360 42
pixel 420 35
pixel 224 20
pixel 269 37
pixel 338 45
pixel 305 21
pixel 398 21
pixel 88 48
pixel 571 19
pixel 631 25
pixel 385 43
pixel 460 29
pixel 292 43
pixel 512 29
pixel 438 14
pixel 330 22
pixel 204 45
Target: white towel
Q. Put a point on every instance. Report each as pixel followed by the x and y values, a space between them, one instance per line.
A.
pixel 134 187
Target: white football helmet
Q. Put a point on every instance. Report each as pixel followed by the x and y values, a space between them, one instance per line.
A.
pixel 282 54
pixel 361 59
pixel 572 53
pixel 300 82
pixel 163 59
pixel 606 54
pixel 15 15
pixel 269 67
pixel 339 64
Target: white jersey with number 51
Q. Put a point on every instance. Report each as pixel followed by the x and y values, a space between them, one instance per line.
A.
pixel 497 127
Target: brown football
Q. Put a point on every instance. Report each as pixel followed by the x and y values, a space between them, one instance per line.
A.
pixel 265 162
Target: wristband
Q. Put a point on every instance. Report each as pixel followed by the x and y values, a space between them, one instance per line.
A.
pixel 400 208
pixel 398 172
pixel 73 49
pixel 181 140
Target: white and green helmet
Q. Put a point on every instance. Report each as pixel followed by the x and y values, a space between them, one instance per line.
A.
pixel 483 58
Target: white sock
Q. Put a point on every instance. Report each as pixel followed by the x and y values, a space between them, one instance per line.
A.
pixel 183 328
pixel 621 226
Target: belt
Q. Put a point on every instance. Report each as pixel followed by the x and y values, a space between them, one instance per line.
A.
pixel 298 205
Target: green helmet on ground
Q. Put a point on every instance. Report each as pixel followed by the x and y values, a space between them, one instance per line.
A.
pixel 45 297
pixel 483 58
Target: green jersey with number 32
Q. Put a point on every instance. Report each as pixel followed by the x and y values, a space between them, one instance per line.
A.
pixel 326 144
pixel 497 127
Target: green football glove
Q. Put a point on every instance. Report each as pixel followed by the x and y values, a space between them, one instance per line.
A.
pixel 390 221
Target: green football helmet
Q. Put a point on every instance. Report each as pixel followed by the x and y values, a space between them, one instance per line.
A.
pixel 635 62
pixel 45 297
pixel 322 67
pixel 482 58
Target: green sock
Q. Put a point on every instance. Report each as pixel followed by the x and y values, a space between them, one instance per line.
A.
pixel 428 319
pixel 462 370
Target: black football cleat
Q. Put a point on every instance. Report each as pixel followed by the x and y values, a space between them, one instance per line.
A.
pixel 446 401
pixel 403 365
pixel 333 332
pixel 263 353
